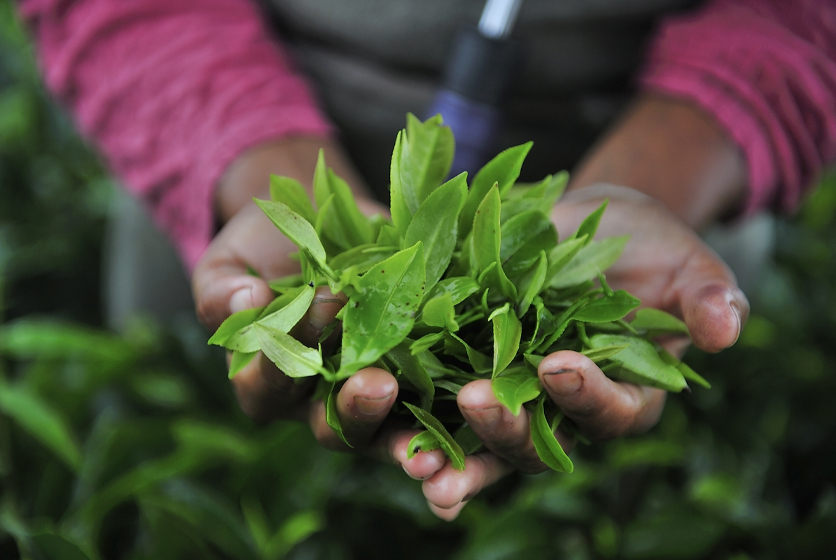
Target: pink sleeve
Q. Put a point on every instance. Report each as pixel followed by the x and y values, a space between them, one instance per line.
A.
pixel 171 92
pixel 766 70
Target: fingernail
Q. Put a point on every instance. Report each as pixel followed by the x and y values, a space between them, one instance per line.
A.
pixel 486 417
pixel 736 309
pixel 241 300
pixel 372 407
pixel 564 381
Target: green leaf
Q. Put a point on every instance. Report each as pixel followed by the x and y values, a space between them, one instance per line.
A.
pixel 607 308
pixel 321 187
pixel 426 160
pixel 561 255
pixel 239 361
pixel 533 284
pixel 352 223
pixel 684 369
pixel 412 369
pixel 42 421
pixel 332 418
pixel 459 288
pixel 426 342
pixel 382 314
pixel 590 224
pixel 468 440
pixel 388 236
pixel 233 324
pixel 291 193
pixel 507 331
pixel 546 445
pixel 425 441
pixel 486 244
pixel 594 257
pixel 292 357
pixel 449 445
pixel 603 353
pixel 455 346
pixel 516 386
pixel 503 171
pixel 640 363
pixel 657 321
pixel 362 257
pixel 435 224
pixel 296 228
pixel 527 256
pixel 401 215
pixel 439 312
pixel 46 339
pixel 518 232
pixel 533 360
pixel 283 319
pixel 53 546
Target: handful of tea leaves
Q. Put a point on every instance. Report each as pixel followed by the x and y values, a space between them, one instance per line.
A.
pixel 460 284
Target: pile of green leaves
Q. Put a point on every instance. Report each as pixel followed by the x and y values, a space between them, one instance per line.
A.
pixel 461 284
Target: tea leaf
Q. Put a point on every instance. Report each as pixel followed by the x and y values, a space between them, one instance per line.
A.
pixel 656 320
pixel 233 324
pixel 459 288
pixel 545 443
pixel 457 347
pixel 607 308
pixel 321 188
pixel 382 314
pixel 561 255
pixel 640 362
pixel 435 224
pixel 439 312
pixel 502 170
pixel 413 371
pixel 684 369
pixel 296 228
pixel 449 445
pixel 516 386
pixel 401 215
pixel 507 331
pixel 486 243
pixel 533 284
pixel 468 440
pixel 292 357
pixel 426 160
pixel 239 361
pixel 426 342
pixel 590 224
pixel 425 441
pixel 291 193
pixel 597 255
pixel 518 232
pixel 353 224
pixel 362 257
pixel 601 354
pixel 332 418
pixel 284 319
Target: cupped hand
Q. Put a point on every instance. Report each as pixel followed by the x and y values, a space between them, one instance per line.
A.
pixel 668 267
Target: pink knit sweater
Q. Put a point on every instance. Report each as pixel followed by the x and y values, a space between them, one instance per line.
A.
pixel 172 92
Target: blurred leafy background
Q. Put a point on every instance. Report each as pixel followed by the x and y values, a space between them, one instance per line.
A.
pixel 130 446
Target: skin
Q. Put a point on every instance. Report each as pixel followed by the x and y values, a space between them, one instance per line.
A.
pixel 682 171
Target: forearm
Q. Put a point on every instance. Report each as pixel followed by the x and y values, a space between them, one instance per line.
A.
pixel 674 152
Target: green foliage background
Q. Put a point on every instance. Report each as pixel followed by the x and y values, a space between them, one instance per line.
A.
pixel 130 445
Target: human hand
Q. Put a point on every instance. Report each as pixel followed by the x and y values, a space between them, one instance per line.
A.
pixel 222 285
pixel 668 267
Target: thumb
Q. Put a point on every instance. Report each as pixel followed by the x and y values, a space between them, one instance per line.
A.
pixel 222 286
pixel 711 304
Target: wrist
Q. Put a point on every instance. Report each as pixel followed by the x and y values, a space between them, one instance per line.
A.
pixel 673 151
pixel 248 175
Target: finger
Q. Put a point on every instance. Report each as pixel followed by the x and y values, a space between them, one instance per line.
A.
pixel 448 487
pixel 601 407
pixel 712 305
pixel 447 514
pixel 223 288
pixel 422 465
pixel 265 394
pixel 362 404
pixel 506 435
